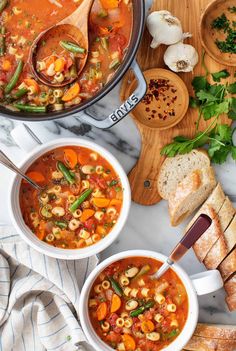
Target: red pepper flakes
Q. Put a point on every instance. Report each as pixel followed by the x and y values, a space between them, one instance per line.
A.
pixel 160 90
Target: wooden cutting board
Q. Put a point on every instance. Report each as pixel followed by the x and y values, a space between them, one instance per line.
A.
pixel 143 177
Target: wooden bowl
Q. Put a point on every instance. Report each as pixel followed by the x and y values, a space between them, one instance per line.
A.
pixel 170 107
pixel 209 35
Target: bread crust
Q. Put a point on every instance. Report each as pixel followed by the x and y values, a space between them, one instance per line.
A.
pixel 228 266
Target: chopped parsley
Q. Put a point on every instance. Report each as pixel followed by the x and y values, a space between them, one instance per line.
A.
pixel 222 23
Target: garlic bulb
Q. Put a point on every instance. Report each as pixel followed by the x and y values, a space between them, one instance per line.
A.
pixel 181 57
pixel 164 28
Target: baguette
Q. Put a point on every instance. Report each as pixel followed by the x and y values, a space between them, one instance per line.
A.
pixel 230 285
pixel 175 169
pixel 228 266
pixel 190 193
pixel 231 302
pixel 211 207
pixel 198 343
pixel 216 331
pixel 223 245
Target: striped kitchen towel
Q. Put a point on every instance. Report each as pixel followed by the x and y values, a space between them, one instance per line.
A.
pixel 39 298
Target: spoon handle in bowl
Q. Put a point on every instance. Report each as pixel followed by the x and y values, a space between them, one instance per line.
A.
pixel 198 228
pixel 9 164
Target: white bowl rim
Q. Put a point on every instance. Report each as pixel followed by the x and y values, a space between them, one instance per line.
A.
pixel 49 250
pixel 193 311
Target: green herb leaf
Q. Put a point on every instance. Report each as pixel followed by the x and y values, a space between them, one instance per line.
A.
pixel 232 88
pixel 219 75
pixel 199 83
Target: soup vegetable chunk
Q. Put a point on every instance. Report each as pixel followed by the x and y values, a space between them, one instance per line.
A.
pixel 110 25
pixel 81 202
pixel 130 311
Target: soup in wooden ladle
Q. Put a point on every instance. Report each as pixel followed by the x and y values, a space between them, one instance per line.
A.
pixel 110 25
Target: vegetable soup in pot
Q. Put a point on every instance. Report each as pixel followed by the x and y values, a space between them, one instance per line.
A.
pixel 130 311
pixel 81 202
pixel 110 26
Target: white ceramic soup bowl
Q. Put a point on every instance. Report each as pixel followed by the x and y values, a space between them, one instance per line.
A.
pixel 14 203
pixel 198 284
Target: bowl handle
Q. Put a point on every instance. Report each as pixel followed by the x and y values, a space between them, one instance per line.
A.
pixel 207 282
pixel 25 138
pixel 117 115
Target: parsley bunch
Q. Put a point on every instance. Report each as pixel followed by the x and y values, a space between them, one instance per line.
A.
pixel 212 100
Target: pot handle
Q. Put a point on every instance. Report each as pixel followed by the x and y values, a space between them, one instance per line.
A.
pixel 207 282
pixel 125 108
pixel 25 138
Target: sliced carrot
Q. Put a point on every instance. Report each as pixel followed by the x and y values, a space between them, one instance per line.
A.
pixel 6 65
pixel 102 311
pixel 129 342
pixel 50 60
pixel 86 215
pixel 83 158
pixel 110 4
pixel 38 177
pixel 32 83
pixel 59 64
pixel 71 93
pixel 41 233
pixel 147 326
pixel 115 202
pixel 70 158
pixel 101 202
pixel 101 230
pixel 115 303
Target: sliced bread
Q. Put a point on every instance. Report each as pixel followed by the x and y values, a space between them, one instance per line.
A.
pixel 175 169
pixel 190 193
pixel 230 285
pixel 224 244
pixel 198 343
pixel 216 331
pixel 228 266
pixel 211 207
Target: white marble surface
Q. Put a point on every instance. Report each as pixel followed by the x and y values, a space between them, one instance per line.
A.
pixel 147 227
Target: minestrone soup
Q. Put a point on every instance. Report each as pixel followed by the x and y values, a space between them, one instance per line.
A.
pixel 130 311
pixel 110 26
pixel 81 202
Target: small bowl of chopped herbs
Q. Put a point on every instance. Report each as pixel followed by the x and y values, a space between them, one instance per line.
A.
pixel 218 31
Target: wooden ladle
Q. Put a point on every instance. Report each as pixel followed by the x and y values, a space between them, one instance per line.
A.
pixel 75 27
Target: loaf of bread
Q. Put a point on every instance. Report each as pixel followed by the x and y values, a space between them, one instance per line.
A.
pixel 174 170
pixel 224 244
pixel 190 193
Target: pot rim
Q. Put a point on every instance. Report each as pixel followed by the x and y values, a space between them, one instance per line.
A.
pixel 49 116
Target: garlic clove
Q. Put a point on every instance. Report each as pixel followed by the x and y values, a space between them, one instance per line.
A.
pixel 181 57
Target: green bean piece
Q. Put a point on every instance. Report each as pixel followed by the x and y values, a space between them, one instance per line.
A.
pixel 30 108
pixel 3 5
pixel 114 64
pixel 141 309
pixel 116 286
pixel 66 172
pixel 61 224
pixel 105 43
pixel 80 200
pixel 144 270
pixel 20 93
pixel 14 79
pixel 2 41
pixel 69 46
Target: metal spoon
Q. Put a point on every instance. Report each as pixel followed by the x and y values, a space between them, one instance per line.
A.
pixel 9 164
pixel 198 228
pixel 74 26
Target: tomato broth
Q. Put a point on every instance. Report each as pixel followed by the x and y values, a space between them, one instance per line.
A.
pixel 130 311
pixel 81 202
pixel 21 21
